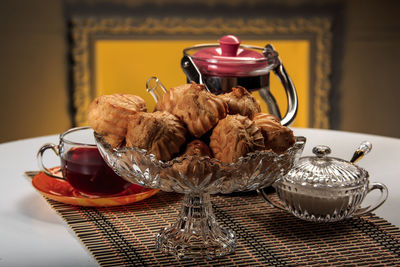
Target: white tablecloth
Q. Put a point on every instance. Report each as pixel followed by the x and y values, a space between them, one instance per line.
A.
pixel 32 234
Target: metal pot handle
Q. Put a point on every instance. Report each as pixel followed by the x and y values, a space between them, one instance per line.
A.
pixel 191 71
pixel 291 94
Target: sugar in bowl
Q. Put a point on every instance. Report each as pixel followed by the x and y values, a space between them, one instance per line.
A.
pixel 326 189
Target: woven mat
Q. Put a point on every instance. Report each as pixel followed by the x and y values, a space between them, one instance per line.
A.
pixel 125 235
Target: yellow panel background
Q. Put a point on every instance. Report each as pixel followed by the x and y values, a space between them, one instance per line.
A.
pixel 123 66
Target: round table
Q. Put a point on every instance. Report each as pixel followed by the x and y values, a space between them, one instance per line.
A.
pixel 32 233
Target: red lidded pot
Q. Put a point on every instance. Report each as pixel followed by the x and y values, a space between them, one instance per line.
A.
pixel 229 63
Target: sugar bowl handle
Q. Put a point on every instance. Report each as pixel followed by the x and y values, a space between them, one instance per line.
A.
pixel 384 194
pixel 268 199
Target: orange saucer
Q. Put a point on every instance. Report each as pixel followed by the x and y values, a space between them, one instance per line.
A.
pixel 62 191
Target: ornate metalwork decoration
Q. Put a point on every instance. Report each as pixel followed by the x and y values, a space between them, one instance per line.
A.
pixel 85 30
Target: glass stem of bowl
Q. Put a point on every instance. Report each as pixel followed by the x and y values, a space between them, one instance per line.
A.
pixel 196 232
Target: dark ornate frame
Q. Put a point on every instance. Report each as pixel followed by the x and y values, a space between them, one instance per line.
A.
pixel 85 30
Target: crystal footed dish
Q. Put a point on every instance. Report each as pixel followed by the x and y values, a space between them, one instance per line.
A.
pixel 196 232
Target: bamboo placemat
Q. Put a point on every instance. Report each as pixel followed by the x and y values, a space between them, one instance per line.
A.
pixel 125 235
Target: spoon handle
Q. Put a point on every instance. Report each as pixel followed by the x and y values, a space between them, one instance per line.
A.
pixel 364 148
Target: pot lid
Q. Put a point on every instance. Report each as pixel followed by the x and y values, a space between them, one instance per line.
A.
pixel 230 58
pixel 323 171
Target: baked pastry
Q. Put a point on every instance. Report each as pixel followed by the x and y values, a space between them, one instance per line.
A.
pixel 234 137
pixel 240 101
pixel 169 100
pixel 276 137
pixel 192 167
pixel 108 115
pixel 199 109
pixel 197 147
pixel 160 133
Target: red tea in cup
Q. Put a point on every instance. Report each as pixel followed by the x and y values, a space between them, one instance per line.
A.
pixel 84 168
pixel 82 164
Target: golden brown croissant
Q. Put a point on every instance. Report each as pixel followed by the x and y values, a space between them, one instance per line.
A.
pixel 235 136
pixel 199 109
pixel 108 115
pixel 160 133
pixel 276 137
pixel 240 101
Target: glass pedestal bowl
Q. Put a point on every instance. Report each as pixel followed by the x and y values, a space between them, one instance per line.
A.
pixel 196 232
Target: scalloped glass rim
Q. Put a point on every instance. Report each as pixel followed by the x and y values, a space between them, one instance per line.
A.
pixel 299 144
pixel 187 174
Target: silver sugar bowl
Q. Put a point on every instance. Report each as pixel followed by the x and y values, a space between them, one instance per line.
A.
pixel 326 189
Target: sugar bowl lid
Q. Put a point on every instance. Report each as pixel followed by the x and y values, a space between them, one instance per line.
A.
pixel 323 171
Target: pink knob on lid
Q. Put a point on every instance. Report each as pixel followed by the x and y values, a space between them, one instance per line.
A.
pixel 229 45
pixel 228 59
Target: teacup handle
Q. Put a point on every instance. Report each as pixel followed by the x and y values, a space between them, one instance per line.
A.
pixel 39 157
pixel 271 202
pixel 378 203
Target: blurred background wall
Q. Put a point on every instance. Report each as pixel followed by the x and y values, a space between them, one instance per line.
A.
pixel 34 68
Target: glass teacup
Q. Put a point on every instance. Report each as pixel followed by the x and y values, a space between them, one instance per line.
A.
pixel 82 165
